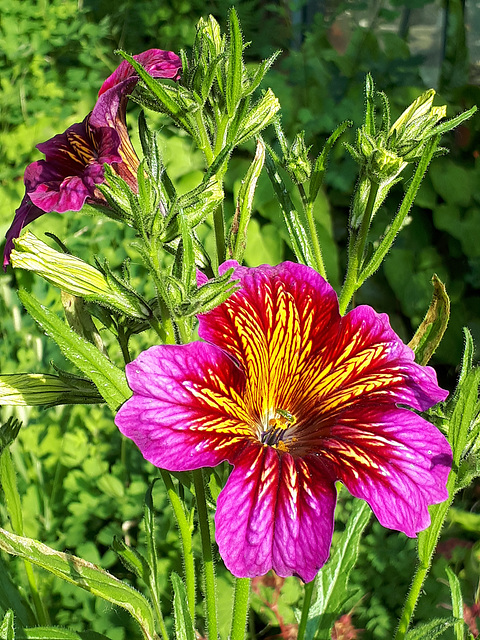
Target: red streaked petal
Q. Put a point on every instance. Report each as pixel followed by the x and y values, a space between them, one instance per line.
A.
pixel 272 325
pixel 187 410
pixel 392 458
pixel 275 512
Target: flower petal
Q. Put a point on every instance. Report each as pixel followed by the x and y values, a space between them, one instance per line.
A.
pixel 25 213
pixel 392 458
pixel 275 512
pixel 158 63
pixel 272 325
pixel 187 410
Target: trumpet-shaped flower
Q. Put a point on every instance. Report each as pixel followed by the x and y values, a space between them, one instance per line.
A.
pixel 295 397
pixel 74 160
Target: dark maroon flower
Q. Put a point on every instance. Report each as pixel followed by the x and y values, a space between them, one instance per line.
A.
pixel 74 160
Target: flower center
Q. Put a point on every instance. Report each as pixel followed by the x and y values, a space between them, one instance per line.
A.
pixel 80 149
pixel 277 429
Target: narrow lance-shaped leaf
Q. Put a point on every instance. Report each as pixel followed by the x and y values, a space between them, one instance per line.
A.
pixel 429 630
pixel 57 633
pixel 331 582
pixel 238 231
pixel 82 574
pixel 296 231
pixel 109 379
pixel 457 604
pixel 183 622
pixel 429 334
pixel 7 630
pixel 234 65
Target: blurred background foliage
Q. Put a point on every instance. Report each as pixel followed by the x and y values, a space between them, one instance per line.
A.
pixel 80 484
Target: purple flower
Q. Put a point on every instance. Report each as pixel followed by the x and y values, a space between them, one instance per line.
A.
pixel 295 397
pixel 74 160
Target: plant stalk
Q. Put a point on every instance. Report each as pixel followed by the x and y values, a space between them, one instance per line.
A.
pixel 240 608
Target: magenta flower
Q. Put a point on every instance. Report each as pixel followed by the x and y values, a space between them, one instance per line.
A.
pixel 295 397
pixel 74 160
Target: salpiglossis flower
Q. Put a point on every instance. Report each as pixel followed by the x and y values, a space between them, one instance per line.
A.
pixel 295 397
pixel 74 160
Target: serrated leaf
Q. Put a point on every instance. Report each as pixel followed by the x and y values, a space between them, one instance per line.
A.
pixel 430 332
pixel 58 633
pixel 183 622
pixel 330 592
pixel 110 381
pixel 429 630
pixel 82 574
pixel 238 231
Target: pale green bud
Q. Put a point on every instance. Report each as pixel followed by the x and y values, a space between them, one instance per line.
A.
pixel 75 276
pixel 39 389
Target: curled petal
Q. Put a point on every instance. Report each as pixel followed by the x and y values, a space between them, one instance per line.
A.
pixel 187 409
pixel 275 512
pixel 394 459
pixel 158 63
pixel 25 213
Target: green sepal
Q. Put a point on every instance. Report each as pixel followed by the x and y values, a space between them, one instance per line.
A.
pixel 234 65
pixel 184 629
pixel 253 80
pixel 331 584
pixel 320 165
pixel 465 408
pixel 207 296
pixel 237 237
pixel 259 116
pixel 370 128
pixel 82 574
pixel 150 147
pixel 430 332
pixel 109 379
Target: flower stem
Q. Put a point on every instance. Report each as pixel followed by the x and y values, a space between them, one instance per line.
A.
pixel 305 609
pixel 387 240
pixel 356 249
pixel 186 537
pixel 427 542
pixel 317 251
pixel 240 608
pixel 209 572
pixel 219 228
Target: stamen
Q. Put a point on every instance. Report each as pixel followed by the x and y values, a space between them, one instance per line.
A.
pixel 276 434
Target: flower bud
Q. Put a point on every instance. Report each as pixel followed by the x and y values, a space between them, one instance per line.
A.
pixel 76 276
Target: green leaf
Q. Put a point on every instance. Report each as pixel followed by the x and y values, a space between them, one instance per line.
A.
pixel 7 630
pixel 429 630
pixel 82 574
pixel 131 559
pixel 234 65
pixel 10 490
pixel 330 592
pixel 321 162
pixel 237 239
pixel 457 603
pixel 57 633
pixel 183 622
pixel 464 412
pixel 430 332
pixel 109 379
